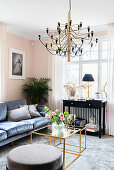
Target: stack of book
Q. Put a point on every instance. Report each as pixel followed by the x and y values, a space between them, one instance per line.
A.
pixel 92 127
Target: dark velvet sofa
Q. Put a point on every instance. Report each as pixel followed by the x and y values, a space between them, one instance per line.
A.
pixel 11 131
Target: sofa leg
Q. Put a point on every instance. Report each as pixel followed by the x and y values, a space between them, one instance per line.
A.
pixel 12 143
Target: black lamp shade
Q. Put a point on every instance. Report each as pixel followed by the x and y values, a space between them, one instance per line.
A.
pixel 88 77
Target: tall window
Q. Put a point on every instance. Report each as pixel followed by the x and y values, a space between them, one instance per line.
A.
pixel 94 62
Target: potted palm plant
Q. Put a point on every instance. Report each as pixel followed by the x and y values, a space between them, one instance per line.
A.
pixel 37 90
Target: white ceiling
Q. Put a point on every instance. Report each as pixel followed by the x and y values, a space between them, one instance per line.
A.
pixel 28 18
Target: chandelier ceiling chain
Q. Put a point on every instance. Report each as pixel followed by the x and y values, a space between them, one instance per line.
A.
pixel 69 39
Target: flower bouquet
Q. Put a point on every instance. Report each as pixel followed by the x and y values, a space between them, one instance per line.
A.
pixel 58 120
pixel 58 116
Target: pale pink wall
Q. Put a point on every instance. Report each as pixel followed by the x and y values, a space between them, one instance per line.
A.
pixel 43 63
pixel 40 60
pixel 14 87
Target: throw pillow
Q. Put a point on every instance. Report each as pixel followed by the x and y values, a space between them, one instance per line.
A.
pixel 41 108
pixel 32 110
pixel 19 114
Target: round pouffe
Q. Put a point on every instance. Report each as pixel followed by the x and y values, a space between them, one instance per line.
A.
pixel 34 157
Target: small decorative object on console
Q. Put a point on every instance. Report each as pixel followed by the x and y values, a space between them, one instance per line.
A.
pixel 71 90
pixel 88 78
pixel 91 120
pixel 97 95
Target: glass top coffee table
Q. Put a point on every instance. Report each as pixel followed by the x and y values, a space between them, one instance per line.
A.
pixel 66 133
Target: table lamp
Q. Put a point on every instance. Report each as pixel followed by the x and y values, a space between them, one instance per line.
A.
pixel 88 78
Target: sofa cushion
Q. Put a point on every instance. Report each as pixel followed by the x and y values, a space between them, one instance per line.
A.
pixel 41 122
pixel 15 128
pixel 3 111
pixel 19 114
pixel 3 135
pixel 38 122
pixel 30 121
pixel 14 104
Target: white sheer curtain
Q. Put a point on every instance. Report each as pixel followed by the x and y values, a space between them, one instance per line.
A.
pixel 110 89
pixel 2 60
pixel 60 81
pixel 57 71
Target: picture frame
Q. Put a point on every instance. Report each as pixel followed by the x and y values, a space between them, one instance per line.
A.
pixel 16 64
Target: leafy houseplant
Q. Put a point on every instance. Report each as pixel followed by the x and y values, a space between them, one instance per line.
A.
pixel 37 89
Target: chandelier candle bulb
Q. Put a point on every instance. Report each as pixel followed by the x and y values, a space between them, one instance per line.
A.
pixel 88 28
pixel 47 30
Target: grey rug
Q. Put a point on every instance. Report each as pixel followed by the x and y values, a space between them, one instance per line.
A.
pixel 99 154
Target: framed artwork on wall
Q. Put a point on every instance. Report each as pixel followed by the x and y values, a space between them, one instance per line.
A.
pixel 16 64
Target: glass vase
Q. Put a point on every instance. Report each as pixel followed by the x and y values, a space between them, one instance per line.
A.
pixel 58 129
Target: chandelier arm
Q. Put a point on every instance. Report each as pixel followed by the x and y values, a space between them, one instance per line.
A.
pixel 47 48
pixel 88 43
pixel 85 38
pixel 50 36
pixel 94 46
pixel 63 38
pixel 77 36
pixel 59 40
pixel 62 41
pixel 62 35
pixel 77 48
pixel 83 53
pixel 82 45
pixel 64 45
pixel 50 49
pixel 53 41
pixel 62 30
pixel 80 29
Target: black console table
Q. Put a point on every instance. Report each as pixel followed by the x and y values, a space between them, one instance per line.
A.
pixel 87 107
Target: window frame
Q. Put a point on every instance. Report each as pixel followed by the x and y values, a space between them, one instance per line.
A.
pixel 98 61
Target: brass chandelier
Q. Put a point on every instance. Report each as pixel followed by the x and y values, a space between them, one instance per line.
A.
pixel 69 39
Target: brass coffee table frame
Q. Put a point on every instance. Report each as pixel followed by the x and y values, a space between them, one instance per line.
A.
pixel 64 150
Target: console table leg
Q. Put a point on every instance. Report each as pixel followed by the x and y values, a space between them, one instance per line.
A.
pixel 85 138
pixel 63 108
pixel 99 123
pixel 69 109
pixel 104 119
pixel 80 144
